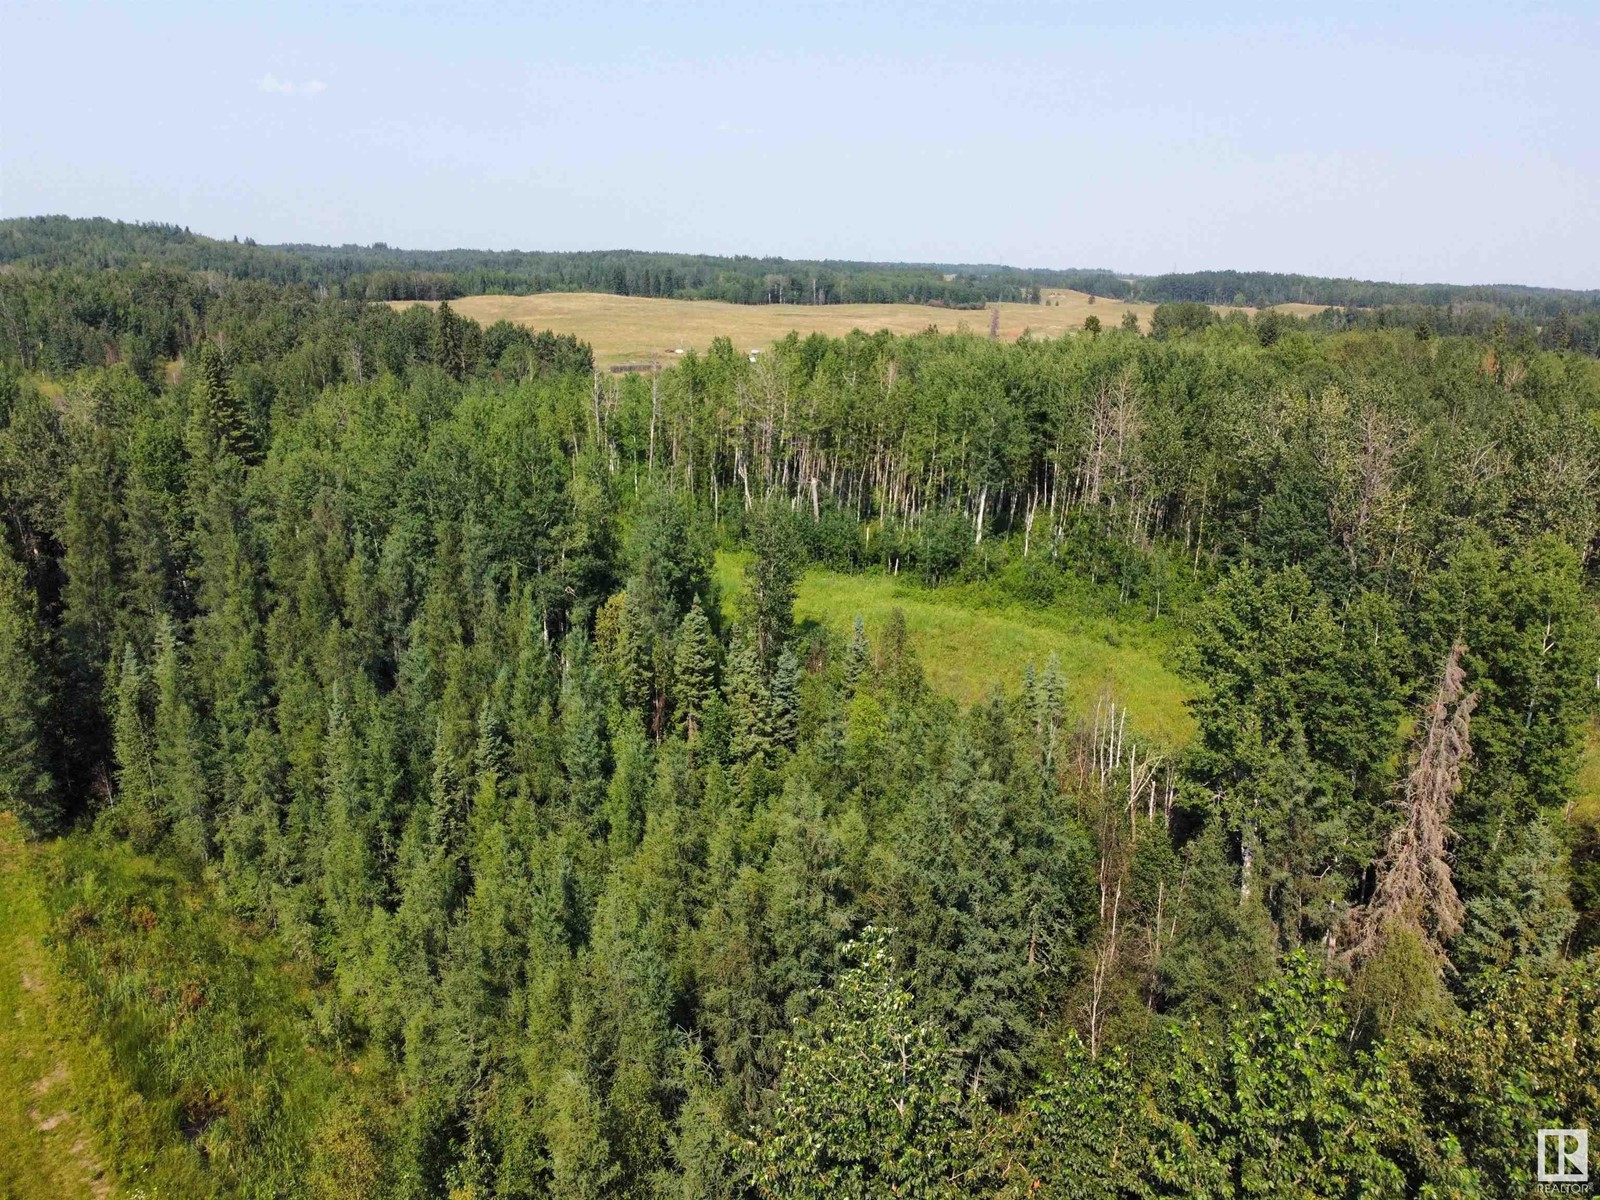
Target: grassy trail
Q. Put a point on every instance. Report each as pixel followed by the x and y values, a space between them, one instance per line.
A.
pixel 45 1148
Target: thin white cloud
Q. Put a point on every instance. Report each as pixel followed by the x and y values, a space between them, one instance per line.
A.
pixel 288 87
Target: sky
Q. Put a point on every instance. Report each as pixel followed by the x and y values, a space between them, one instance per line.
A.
pixel 1404 140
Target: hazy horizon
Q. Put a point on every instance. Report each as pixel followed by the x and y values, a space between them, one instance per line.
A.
pixel 1442 144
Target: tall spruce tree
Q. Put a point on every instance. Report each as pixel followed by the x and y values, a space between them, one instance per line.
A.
pixel 220 421
pixel 628 789
pixel 749 701
pixel 253 854
pixel 26 786
pixel 857 655
pixel 785 704
pixel 771 579
pixel 583 725
pixel 90 553
pixel 669 554
pixel 694 684
pixel 346 876
pixel 179 752
pixel 449 345
pixel 137 809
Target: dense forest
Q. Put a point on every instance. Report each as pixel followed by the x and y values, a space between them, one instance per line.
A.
pixel 380 272
pixel 1560 318
pixel 1264 288
pixel 415 815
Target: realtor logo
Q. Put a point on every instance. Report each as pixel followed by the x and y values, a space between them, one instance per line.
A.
pixel 1563 1156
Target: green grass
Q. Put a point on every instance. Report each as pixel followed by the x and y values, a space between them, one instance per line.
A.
pixel 145 1030
pixel 45 1147
pixel 1586 808
pixel 207 1026
pixel 968 643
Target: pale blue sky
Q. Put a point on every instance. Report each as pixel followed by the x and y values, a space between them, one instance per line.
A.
pixel 1412 141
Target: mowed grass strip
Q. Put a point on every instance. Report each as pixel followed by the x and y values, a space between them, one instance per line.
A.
pixel 968 647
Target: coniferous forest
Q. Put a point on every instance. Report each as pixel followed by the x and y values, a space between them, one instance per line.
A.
pixel 427 789
pixel 92 260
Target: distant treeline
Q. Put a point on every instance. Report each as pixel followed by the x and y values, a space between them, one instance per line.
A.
pixel 1485 322
pixel 1560 330
pixel 381 272
pixel 1259 289
pixel 61 321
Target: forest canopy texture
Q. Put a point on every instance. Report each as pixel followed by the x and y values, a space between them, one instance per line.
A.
pixel 1558 318
pixel 415 815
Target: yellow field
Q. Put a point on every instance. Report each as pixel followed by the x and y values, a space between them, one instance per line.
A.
pixel 639 329
pixel 636 329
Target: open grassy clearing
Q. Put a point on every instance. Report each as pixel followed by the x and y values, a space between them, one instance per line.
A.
pixel 638 329
pixel 968 646
pixel 45 1149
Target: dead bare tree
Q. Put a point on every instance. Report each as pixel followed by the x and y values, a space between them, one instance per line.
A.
pixel 1107 759
pixel 1361 450
pixel 1105 962
pixel 1415 889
